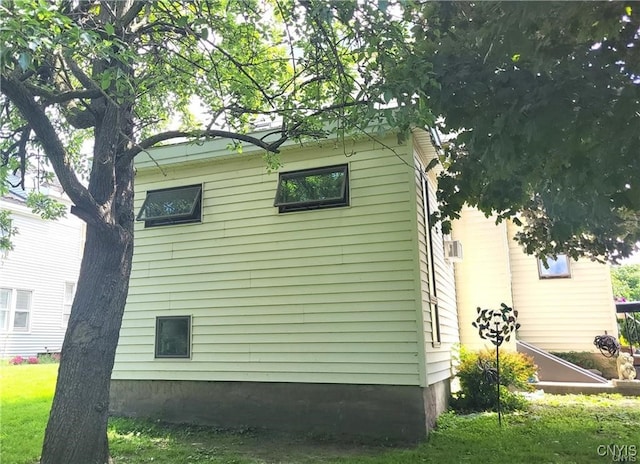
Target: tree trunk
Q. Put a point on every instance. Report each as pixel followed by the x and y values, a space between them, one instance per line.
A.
pixel 77 429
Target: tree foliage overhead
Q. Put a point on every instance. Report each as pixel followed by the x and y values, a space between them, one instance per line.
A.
pixel 545 97
pixel 300 63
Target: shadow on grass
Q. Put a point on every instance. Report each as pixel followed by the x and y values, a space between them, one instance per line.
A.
pixel 139 441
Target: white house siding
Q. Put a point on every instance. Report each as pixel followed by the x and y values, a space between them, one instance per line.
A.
pixel 562 314
pixel 437 355
pixel 313 296
pixel 483 277
pixel 46 254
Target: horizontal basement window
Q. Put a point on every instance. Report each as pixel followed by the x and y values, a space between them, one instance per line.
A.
pixel 177 205
pixel 326 187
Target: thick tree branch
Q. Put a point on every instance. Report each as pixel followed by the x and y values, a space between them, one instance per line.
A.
pixel 8 151
pixel 20 96
pixel 63 97
pixel 274 146
pixel 127 156
pixel 85 80
pixel 76 10
pixel 131 13
pixel 22 153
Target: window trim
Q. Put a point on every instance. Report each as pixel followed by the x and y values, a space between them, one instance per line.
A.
pixel 193 216
pixel 12 310
pixel 156 354
pixel 7 319
pixel 29 311
pixel 544 273
pixel 338 201
pixel 67 303
pixel 432 282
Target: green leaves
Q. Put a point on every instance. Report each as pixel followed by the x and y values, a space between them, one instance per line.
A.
pixel 109 29
pixel 28 30
pixel 626 281
pixel 7 231
pixel 45 206
pixel 545 99
pixel 24 60
pixel 207 64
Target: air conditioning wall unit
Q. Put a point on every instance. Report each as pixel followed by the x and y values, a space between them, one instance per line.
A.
pixel 453 250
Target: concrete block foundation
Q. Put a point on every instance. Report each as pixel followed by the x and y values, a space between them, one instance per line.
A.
pixel 342 412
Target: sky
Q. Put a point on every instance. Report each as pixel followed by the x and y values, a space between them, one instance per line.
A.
pixel 633 259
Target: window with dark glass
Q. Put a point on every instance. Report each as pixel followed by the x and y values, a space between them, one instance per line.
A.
pixel 551 267
pixel 326 187
pixel 173 337
pixel 178 205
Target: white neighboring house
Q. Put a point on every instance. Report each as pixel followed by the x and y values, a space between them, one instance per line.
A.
pixel 37 278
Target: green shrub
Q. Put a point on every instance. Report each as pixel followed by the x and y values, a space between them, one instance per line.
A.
pixel 476 373
pixel 49 358
pixel 582 359
pixel 588 360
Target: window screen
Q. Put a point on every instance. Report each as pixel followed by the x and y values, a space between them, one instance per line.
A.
pixel 173 337
pixel 172 206
pixel 325 187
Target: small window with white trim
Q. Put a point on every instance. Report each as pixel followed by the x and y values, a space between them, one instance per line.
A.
pixel 177 205
pixel 554 268
pixel 318 188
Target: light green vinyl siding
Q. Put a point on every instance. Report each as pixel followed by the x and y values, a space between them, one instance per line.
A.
pixel 437 357
pixel 310 296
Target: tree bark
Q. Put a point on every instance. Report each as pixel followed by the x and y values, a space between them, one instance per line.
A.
pixel 77 429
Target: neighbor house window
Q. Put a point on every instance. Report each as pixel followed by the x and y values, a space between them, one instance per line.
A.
pixel 178 205
pixel 15 309
pixel 326 187
pixel 555 268
pixel 173 337
pixel 22 311
pixel 5 307
pixel 69 293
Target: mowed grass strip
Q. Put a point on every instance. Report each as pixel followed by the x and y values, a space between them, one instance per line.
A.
pixel 557 429
pixel 26 392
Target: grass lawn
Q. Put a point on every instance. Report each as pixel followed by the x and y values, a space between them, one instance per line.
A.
pixel 25 399
pixel 557 429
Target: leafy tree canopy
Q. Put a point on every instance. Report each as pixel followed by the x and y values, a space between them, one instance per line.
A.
pixel 545 98
pixel 626 281
pixel 299 63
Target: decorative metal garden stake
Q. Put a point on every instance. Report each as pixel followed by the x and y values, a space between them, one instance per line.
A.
pixel 496 325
